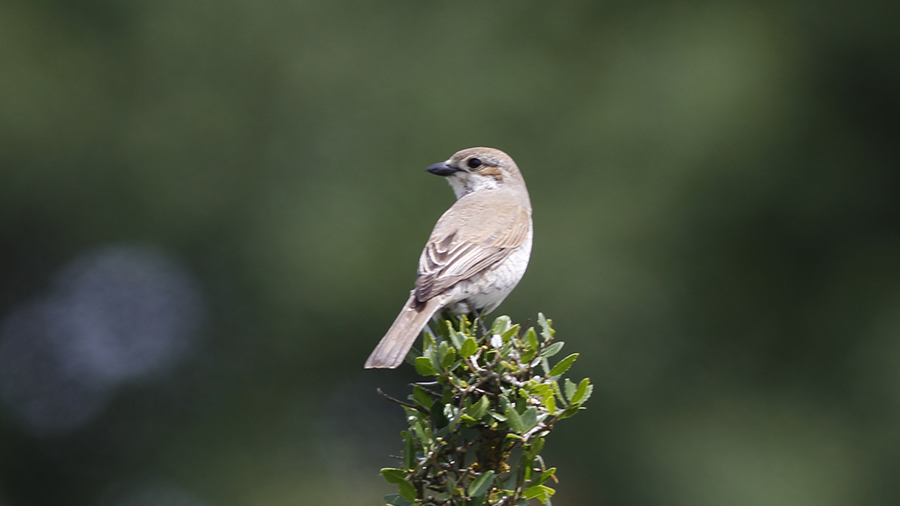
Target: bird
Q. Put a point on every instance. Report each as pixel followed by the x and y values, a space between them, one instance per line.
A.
pixel 476 254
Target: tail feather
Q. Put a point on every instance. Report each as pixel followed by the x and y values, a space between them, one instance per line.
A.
pixel 396 343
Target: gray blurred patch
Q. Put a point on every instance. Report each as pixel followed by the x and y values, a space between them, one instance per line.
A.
pixel 358 429
pixel 123 313
pixel 34 382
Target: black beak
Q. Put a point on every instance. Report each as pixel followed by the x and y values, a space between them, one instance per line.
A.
pixel 442 169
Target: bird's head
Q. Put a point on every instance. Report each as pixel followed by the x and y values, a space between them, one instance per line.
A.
pixel 477 169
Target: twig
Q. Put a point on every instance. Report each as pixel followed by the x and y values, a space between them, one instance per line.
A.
pixel 398 401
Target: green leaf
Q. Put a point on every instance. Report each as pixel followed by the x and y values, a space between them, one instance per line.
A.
pixel 428 343
pixel 570 389
pixel 540 492
pixel 510 332
pixel 444 328
pixel 549 402
pixel 424 367
pixel 456 338
pixel 570 411
pixel 423 434
pixel 551 350
pixel 457 382
pixel 396 500
pixel 468 348
pixel 531 338
pixel 409 450
pixel 464 324
pixel 437 359
pixel 481 484
pixel 583 392
pixel 422 397
pixel 529 419
pixel 587 394
pixel 479 409
pixel 542 390
pixel 477 501
pixel 514 419
pixel 501 325
pixel 449 358
pixel 528 355
pixel 555 386
pixel 393 475
pixel 563 364
pixel 546 331
pixel 528 465
pixel 407 490
pixel 536 446
pixel 544 476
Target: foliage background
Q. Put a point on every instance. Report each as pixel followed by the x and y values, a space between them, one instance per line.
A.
pixel 210 212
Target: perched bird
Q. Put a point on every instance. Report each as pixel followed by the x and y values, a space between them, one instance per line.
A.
pixel 477 252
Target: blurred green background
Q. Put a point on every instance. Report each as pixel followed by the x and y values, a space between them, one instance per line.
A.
pixel 211 211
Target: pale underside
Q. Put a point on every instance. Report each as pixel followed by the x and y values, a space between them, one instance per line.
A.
pixel 483 232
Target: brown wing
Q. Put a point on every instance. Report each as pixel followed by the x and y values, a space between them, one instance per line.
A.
pixel 477 231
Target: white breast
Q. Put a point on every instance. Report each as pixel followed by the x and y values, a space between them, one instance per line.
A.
pixel 487 289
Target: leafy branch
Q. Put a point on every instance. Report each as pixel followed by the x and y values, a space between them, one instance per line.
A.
pixel 476 430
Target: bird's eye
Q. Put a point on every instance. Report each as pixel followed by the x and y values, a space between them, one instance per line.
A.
pixel 474 163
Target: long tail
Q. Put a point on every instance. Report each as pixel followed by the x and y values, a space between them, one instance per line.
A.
pixel 396 343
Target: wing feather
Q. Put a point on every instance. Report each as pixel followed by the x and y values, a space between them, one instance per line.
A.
pixel 471 236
